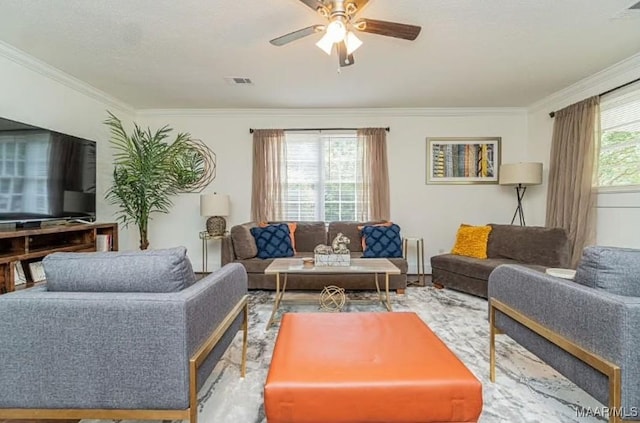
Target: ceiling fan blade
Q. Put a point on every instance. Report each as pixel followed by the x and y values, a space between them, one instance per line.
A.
pixel 314 4
pixel 295 35
pixel 360 4
pixel 344 58
pixel 390 29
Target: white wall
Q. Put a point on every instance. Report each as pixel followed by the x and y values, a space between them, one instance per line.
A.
pixel 433 212
pixel 37 94
pixel 618 212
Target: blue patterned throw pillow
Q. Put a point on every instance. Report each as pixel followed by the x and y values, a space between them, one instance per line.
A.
pixel 382 241
pixel 273 241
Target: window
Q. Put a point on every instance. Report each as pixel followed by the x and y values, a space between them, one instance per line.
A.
pixel 16 179
pixel 619 156
pixel 324 177
pixel 321 176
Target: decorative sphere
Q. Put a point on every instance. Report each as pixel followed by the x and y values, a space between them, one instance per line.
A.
pixel 332 298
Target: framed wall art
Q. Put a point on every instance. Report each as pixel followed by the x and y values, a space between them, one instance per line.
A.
pixel 463 160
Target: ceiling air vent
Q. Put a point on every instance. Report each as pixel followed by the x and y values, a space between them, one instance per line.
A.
pixel 238 81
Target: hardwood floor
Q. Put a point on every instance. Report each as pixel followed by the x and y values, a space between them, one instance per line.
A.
pixel 39 421
pixel 415 280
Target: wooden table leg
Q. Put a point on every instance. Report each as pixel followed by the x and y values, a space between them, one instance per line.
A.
pixel 386 288
pixel 276 302
pixel 375 275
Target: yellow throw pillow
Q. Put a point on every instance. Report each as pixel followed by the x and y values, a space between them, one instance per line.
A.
pixel 471 241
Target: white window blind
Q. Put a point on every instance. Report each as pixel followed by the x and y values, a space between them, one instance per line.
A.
pixel 619 155
pixel 324 177
pixel 17 148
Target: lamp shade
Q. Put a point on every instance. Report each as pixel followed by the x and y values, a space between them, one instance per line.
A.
pixel 214 205
pixel 521 174
pixel 353 43
pixel 325 44
pixel 336 30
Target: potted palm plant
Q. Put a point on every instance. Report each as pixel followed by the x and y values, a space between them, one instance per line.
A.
pixel 149 170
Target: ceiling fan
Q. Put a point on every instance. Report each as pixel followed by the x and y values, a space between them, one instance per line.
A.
pixel 339 31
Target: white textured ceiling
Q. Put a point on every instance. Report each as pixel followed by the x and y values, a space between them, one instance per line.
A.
pixel 176 53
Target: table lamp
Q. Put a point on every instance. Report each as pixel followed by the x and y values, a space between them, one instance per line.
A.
pixel 521 175
pixel 216 206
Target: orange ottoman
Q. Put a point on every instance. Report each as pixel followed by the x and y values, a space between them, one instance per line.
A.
pixel 365 368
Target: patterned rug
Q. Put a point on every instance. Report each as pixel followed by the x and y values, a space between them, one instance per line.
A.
pixel 526 389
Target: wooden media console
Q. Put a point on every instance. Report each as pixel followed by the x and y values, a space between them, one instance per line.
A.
pixel 25 246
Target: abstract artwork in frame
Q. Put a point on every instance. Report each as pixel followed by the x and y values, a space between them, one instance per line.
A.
pixel 463 160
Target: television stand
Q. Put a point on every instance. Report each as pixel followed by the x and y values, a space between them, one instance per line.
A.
pixel 21 247
pixel 28 225
pixel 86 222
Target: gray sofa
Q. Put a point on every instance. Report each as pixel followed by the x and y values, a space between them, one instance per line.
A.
pixel 598 313
pixel 239 247
pixel 72 350
pixel 533 246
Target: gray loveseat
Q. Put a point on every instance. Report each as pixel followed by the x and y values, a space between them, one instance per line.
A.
pixel 594 319
pixel 240 247
pixel 533 246
pixel 72 349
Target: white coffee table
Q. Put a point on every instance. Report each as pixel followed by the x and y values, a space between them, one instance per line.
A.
pixel 375 266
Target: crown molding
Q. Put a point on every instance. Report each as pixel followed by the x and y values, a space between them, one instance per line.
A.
pixel 341 112
pixel 619 73
pixel 23 59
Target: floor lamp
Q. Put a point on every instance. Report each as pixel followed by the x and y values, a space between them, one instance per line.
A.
pixel 521 175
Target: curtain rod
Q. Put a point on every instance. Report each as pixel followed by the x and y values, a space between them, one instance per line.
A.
pixel 388 129
pixel 552 114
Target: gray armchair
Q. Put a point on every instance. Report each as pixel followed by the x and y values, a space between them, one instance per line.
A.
pixel 75 352
pixel 585 329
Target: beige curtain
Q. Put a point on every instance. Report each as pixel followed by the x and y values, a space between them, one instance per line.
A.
pixel 269 170
pixel 375 174
pixel 571 196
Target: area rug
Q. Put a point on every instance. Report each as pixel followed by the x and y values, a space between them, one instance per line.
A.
pixel 526 389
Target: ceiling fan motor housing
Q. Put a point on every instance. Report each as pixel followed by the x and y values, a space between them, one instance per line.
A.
pixel 339 9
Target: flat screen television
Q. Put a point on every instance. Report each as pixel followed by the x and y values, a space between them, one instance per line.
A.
pixel 45 175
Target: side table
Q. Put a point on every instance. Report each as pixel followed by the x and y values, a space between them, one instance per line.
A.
pixel 419 243
pixel 206 236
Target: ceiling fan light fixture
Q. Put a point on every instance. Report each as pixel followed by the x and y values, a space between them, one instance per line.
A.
pixel 325 44
pixel 353 43
pixel 336 30
pixel 342 25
